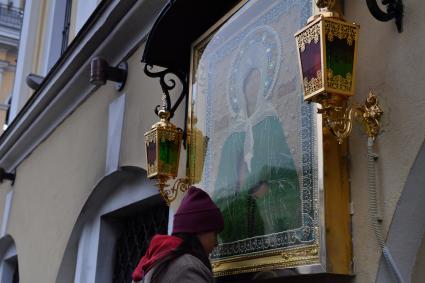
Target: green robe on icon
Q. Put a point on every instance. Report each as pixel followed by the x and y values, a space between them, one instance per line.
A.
pixel 265 198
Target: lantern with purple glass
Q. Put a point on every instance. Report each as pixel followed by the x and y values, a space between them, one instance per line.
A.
pixel 327 52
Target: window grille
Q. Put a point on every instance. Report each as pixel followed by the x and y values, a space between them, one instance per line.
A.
pixel 136 234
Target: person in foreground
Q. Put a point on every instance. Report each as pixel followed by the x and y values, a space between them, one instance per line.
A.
pixel 183 257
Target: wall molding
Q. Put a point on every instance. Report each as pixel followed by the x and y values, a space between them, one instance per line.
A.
pixel 122 188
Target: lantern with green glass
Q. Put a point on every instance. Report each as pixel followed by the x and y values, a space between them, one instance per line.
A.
pixel 163 143
pixel 327 53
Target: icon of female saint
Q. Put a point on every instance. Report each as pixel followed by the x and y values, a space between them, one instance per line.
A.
pixel 257 185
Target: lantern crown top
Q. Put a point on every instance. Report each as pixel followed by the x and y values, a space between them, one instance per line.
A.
pixel 164 122
pixel 164 115
pixel 325 4
pixel 326 9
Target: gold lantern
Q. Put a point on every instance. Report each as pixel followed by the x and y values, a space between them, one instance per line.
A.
pixel 327 55
pixel 163 144
pixel 327 49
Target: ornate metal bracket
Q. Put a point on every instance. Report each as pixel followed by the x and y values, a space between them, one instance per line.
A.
pixel 395 10
pixel 170 194
pixel 168 83
pixel 339 116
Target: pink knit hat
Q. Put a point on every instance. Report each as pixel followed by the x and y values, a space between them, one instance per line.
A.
pixel 197 214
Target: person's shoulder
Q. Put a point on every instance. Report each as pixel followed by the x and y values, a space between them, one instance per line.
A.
pixel 188 268
pixel 189 260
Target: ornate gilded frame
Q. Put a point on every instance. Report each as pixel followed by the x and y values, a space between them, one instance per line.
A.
pixel 311 258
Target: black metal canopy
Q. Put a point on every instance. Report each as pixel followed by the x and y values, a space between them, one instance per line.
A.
pixel 179 24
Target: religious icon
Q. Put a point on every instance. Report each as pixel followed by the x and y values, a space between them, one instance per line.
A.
pixel 252 138
pixel 257 185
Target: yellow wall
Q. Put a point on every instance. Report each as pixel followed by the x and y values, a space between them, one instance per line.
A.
pixel 52 186
pixel 54 182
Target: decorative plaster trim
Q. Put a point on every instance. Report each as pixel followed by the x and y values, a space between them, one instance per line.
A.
pixel 83 256
pixel 25 55
pixel 6 212
pixel 7 254
pixel 53 35
pixel 115 126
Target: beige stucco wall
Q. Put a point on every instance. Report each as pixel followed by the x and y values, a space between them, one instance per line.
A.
pixel 54 182
pixel 52 185
pixel 392 65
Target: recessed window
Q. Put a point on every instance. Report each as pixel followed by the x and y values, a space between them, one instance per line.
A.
pixel 134 232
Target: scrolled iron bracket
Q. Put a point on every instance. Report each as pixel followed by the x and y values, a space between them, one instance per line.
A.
pixel 168 83
pixel 395 10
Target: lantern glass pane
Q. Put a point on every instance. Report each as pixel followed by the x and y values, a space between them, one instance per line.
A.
pixel 151 152
pixel 311 62
pixel 310 51
pixel 340 41
pixel 168 155
pixel 340 57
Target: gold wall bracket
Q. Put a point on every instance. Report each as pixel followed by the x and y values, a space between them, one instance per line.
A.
pixel 170 194
pixel 339 116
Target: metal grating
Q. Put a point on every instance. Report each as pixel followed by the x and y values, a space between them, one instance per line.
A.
pixel 134 240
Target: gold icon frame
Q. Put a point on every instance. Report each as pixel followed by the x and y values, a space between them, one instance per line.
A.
pixel 332 252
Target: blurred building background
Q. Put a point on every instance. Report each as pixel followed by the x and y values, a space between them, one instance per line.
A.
pixel 11 16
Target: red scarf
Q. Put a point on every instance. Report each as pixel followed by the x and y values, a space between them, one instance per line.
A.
pixel 160 247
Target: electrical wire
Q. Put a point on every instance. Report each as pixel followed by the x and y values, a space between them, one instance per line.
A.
pixel 373 211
